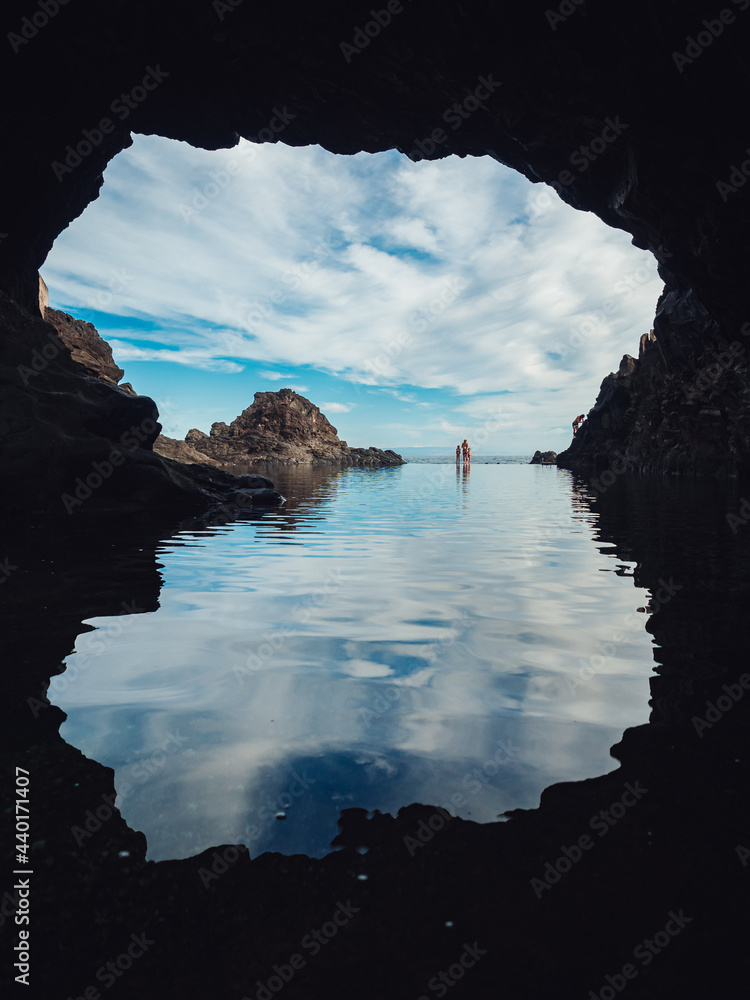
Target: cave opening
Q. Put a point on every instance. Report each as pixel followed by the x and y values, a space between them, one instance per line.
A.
pixel 416 298
pixel 435 299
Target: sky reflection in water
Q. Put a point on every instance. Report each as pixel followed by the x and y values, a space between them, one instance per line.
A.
pixel 389 636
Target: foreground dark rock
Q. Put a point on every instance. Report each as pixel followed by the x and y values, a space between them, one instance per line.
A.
pixel 682 406
pixel 219 922
pixel 78 444
pixel 543 458
pixel 278 427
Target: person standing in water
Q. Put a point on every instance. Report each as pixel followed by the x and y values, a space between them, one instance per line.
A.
pixel 458 453
pixel 465 449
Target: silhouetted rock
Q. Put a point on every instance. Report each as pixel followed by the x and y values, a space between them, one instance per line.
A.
pixel 543 458
pixel 279 427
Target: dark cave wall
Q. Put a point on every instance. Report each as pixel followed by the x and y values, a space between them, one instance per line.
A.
pixel 606 103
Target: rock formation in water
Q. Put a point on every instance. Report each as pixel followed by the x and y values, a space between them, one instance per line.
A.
pixel 543 458
pixel 281 427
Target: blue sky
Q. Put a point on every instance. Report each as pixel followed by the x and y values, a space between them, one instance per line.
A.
pixel 415 303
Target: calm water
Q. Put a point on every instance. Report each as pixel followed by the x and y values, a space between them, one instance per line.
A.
pixel 388 636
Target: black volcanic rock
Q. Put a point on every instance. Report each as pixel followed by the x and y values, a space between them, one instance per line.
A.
pixel 667 171
pixel 543 458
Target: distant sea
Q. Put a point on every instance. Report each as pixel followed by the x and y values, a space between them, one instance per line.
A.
pixel 448 459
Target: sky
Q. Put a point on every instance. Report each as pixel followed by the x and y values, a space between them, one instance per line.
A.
pixel 415 303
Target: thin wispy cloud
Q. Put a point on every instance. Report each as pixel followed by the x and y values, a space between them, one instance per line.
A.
pixel 192 359
pixel 337 407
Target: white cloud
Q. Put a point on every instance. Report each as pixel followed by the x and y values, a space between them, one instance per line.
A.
pixel 124 352
pixel 306 258
pixel 337 407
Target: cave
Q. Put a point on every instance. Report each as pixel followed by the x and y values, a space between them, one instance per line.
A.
pixel 651 93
